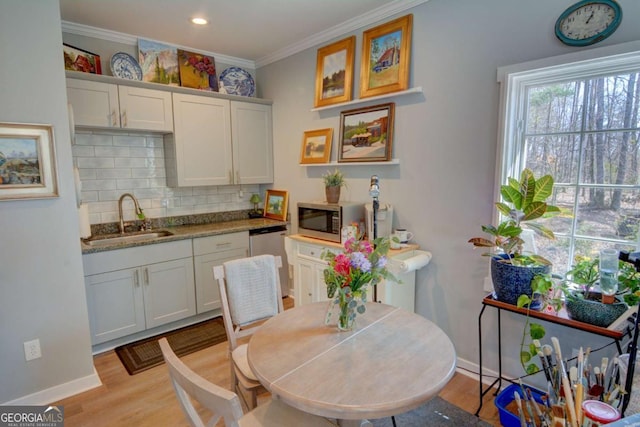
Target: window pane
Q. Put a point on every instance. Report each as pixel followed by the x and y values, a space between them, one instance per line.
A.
pixel 556 155
pixel 592 248
pixel 612 102
pixel 556 251
pixel 554 108
pixel 596 217
pixel 610 158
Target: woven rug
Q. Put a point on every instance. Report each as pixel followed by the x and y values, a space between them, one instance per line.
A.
pixel 435 413
pixel 144 354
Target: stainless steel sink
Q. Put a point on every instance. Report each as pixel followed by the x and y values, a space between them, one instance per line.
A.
pixel 114 239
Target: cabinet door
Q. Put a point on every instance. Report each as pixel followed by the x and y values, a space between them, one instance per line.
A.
pixel 304 278
pixel 319 285
pixel 115 304
pixel 94 104
pixel 202 141
pixel 207 290
pixel 169 292
pixel 252 137
pixel 145 109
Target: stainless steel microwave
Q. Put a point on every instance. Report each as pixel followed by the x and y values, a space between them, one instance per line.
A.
pixel 325 220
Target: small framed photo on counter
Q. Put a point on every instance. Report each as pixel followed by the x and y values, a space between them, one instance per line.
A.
pixel 275 205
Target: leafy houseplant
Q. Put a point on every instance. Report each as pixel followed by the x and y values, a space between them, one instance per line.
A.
pixel 523 202
pixel 333 181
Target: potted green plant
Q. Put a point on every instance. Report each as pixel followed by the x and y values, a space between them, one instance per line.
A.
pixel 583 301
pixel 255 212
pixel 524 201
pixel 333 182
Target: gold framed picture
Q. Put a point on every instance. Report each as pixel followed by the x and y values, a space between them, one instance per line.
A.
pixel 366 134
pixel 334 72
pixel 27 162
pixel 316 146
pixel 386 54
pixel 275 204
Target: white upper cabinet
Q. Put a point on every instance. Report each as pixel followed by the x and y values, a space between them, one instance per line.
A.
pixel 199 151
pixel 252 140
pixel 219 142
pixel 106 105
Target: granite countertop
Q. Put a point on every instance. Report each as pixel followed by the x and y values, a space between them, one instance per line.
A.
pixel 181 232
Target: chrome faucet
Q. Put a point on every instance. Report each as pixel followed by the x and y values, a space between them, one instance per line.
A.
pixel 139 213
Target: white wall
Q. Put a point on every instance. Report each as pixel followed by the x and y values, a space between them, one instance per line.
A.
pixel 446 143
pixel 41 285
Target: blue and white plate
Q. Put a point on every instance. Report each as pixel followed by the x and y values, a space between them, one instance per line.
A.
pixel 125 66
pixel 237 81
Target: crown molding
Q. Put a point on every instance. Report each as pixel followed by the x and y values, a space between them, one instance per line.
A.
pixel 375 15
pixel 128 39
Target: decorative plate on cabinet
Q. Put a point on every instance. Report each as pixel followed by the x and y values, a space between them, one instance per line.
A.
pixel 237 81
pixel 125 66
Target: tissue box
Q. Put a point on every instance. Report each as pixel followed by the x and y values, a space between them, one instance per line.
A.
pixel 505 397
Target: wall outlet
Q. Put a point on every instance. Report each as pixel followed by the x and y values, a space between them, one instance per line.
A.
pixel 32 350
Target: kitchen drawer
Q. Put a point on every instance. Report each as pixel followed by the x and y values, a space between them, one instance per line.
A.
pixel 314 251
pixel 221 243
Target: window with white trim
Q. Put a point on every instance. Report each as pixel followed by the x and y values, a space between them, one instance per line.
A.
pixel 578 122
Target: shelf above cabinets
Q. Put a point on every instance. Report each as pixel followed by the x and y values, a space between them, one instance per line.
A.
pixel 390 162
pixel 373 98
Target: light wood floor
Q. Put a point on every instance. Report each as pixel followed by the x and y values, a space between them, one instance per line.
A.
pixel 147 399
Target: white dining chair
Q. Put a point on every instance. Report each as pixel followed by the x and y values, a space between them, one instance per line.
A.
pixel 224 404
pixel 250 293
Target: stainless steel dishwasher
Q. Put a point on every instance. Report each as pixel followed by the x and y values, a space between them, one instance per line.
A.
pixel 270 241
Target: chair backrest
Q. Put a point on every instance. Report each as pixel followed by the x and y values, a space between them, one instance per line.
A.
pixel 188 385
pixel 250 292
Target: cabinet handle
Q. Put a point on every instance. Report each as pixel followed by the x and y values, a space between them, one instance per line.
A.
pixel 218 245
pixel 238 177
pixel 123 119
pixel 136 278
pixel 146 276
pixel 114 122
pixel 230 177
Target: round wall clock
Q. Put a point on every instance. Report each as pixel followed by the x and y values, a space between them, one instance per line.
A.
pixel 588 22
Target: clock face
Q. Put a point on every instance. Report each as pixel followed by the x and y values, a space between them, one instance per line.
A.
pixel 588 22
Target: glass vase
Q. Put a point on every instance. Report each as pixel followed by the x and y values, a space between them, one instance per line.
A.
pixel 346 314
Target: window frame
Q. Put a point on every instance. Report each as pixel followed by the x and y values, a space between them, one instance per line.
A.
pixel 514 80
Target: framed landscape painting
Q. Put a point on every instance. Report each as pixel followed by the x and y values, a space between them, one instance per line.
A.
pixel 334 72
pixel 27 162
pixel 159 62
pixel 316 146
pixel 275 205
pixel 366 134
pixel 386 52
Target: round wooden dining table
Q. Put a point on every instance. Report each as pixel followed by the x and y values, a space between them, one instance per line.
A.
pixel 391 362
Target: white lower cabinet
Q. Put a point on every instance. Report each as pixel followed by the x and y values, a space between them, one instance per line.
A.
pixel 213 251
pixel 304 255
pixel 130 290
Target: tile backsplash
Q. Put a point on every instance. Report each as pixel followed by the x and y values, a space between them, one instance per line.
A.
pixel 111 164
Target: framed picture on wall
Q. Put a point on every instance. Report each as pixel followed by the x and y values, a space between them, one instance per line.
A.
pixel 334 72
pixel 386 52
pixel 275 204
pixel 316 146
pixel 76 59
pixel 366 134
pixel 27 162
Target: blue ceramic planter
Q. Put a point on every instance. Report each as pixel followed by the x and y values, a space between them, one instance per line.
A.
pixel 511 281
pixel 591 310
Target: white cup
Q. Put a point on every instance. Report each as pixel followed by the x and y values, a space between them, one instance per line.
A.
pixel 403 235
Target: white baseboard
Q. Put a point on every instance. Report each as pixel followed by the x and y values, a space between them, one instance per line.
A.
pixel 472 370
pixel 59 392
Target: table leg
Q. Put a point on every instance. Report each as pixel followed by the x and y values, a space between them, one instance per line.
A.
pixel 354 423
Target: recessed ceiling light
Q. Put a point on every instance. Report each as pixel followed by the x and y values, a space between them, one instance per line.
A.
pixel 199 21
